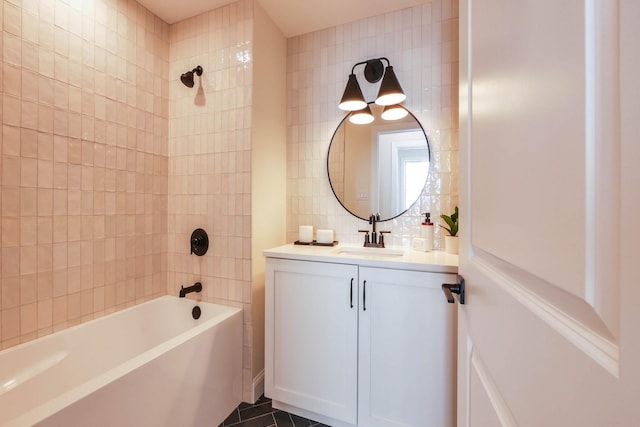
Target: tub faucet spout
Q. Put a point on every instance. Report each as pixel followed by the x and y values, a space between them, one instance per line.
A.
pixel 196 287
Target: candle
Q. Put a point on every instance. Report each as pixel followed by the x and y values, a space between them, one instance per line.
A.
pixel 325 236
pixel 305 233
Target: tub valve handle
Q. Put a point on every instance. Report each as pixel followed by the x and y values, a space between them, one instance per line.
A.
pixel 199 242
pixel 196 287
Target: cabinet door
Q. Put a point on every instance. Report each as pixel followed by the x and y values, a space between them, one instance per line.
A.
pixel 407 354
pixel 311 336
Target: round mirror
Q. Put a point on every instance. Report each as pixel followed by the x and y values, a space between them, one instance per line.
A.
pixel 379 167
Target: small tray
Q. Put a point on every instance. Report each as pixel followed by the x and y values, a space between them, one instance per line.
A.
pixel 315 243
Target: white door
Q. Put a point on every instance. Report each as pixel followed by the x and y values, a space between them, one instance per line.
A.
pixel 550 213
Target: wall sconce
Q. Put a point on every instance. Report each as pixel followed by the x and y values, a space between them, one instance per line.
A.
pixel 390 92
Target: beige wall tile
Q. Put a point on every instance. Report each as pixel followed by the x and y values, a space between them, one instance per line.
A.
pixel 45 313
pixel 61 72
pixel 10 293
pixel 10 324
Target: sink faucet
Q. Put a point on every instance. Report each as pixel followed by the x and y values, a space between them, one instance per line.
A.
pixel 196 287
pixel 375 241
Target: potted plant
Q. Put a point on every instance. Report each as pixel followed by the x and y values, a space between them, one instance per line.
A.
pixel 451 241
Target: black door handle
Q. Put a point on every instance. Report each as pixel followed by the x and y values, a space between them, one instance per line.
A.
pixel 454 288
pixel 364 296
pixel 351 293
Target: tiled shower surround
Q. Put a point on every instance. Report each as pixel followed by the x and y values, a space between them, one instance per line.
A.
pixel 84 162
pixel 210 158
pixel 108 162
pixel 421 43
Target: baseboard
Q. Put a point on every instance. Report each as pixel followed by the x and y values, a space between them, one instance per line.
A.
pixel 258 386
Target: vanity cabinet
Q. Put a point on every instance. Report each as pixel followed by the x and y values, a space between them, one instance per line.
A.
pixel 348 344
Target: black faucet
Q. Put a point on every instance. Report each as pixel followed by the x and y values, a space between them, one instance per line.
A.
pixel 373 219
pixel 196 287
pixel 375 241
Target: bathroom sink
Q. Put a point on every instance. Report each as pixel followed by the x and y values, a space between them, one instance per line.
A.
pixel 362 251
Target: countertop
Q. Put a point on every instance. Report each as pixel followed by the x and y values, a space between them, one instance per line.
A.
pixel 433 261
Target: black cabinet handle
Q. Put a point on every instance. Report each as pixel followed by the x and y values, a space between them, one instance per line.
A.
pixel 454 288
pixel 364 296
pixel 351 293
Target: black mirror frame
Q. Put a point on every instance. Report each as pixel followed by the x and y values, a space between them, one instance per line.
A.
pixel 426 137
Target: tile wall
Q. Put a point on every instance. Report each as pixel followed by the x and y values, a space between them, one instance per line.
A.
pixel 84 115
pixel 210 158
pixel 421 43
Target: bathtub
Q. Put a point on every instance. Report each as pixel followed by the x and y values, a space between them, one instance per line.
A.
pixel 149 365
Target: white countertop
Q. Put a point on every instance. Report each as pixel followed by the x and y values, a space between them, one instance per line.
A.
pixel 433 261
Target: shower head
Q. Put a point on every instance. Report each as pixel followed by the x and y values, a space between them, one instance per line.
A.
pixel 187 78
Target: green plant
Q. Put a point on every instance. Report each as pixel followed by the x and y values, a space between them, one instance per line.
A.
pixel 452 222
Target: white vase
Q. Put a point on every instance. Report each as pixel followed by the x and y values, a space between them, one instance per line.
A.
pixel 451 244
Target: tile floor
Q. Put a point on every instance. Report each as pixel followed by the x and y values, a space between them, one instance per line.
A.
pixel 261 414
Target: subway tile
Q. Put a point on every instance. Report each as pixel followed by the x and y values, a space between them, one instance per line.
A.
pixel 45 285
pixel 10 289
pixel 11 109
pixel 60 309
pixel 45 201
pixel 44 313
pixel 12 49
pixel 45 230
pixel 45 173
pixel 29 114
pixel 12 80
pixel 10 232
pixel 28 259
pixel 10 201
pixel 10 323
pixel 37 145
pixel 60 181
pixel 44 258
pixel 11 171
pixel 60 228
pixel 11 140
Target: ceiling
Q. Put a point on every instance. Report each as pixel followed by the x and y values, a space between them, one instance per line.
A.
pixel 293 17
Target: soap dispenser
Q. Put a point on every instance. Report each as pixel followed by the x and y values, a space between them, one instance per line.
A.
pixel 426 231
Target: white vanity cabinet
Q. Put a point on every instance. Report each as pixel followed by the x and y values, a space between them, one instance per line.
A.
pixel 359 342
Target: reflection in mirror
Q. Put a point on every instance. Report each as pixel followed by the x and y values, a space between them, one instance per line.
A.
pixel 380 167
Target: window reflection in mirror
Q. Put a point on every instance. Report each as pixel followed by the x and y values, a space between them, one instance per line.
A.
pixel 402 169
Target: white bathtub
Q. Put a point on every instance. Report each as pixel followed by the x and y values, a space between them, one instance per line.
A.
pixel 149 365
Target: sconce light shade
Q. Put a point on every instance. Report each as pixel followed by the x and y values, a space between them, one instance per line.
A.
pixel 352 99
pixel 390 91
pixel 361 117
pixel 394 112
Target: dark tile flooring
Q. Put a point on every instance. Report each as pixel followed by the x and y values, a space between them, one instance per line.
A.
pixel 261 414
